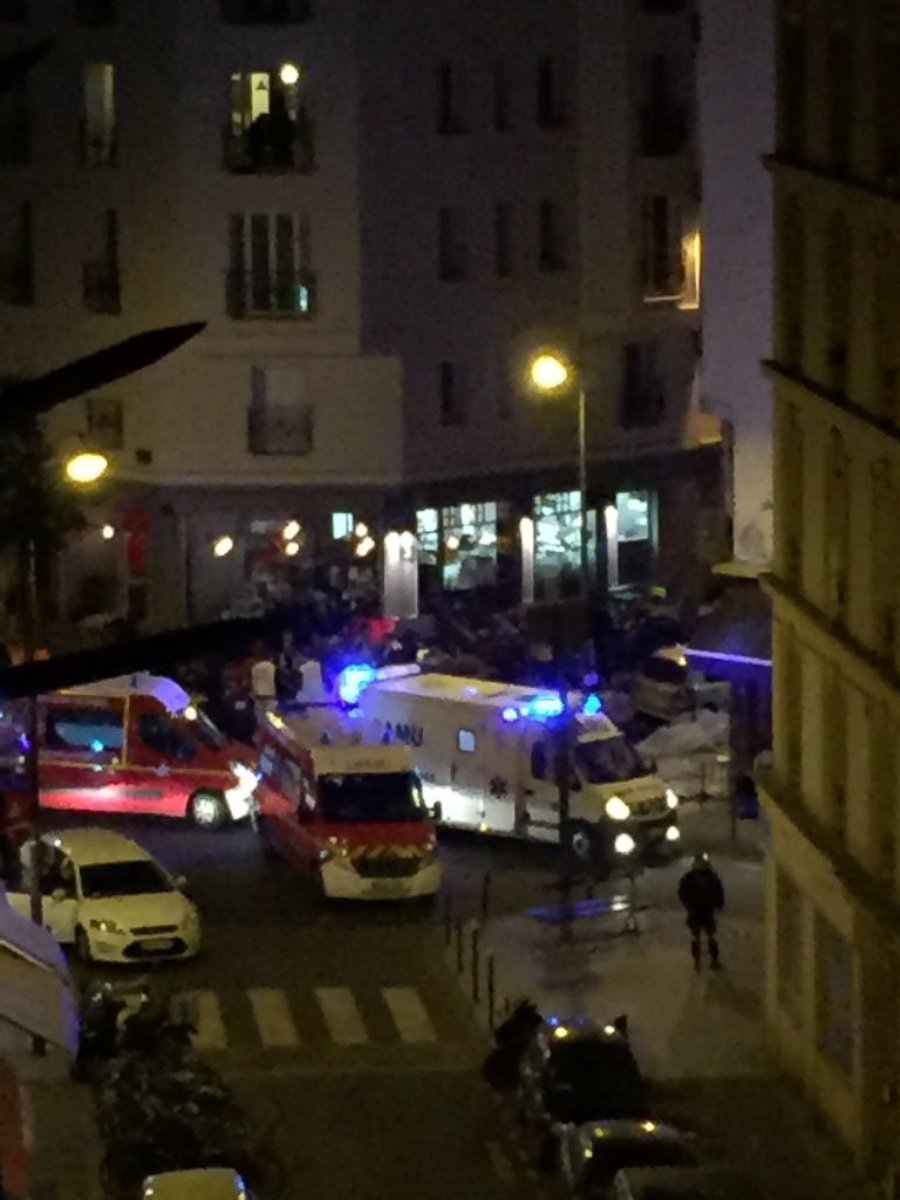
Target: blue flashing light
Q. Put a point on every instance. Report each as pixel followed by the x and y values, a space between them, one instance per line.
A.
pixel 545 707
pixel 353 680
pixel 592 705
pixel 591 680
pixel 97 746
pixel 510 715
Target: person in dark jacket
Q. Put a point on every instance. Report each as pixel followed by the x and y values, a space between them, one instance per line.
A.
pixel 703 897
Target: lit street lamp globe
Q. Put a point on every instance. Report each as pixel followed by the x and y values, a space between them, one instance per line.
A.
pixel 289 74
pixel 223 546
pixel 548 372
pixel 86 467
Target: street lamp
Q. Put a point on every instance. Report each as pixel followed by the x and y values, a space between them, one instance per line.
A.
pixel 87 466
pixel 551 373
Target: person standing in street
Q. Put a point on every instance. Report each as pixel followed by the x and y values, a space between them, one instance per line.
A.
pixel 262 683
pixel 703 897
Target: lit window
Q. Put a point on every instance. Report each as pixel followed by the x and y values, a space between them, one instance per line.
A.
pixel 633 509
pixel 691 253
pixel 465 741
pixel 341 524
pixel 427 535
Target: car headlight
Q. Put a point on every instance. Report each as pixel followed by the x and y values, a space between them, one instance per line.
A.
pixel 105 926
pixel 673 833
pixel 617 809
pixel 671 798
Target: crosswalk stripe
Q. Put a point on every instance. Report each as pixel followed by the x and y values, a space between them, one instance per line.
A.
pixel 342 1016
pixel 273 1017
pixel 211 1034
pixel 410 1017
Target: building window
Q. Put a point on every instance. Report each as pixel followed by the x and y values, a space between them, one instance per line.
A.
pixel 886 256
pixel 17 261
pixel 557 543
pixel 791 75
pixel 451 246
pixel 502 99
pixel 836 535
pixel 887 106
pixel 663 120
pixel 105 422
pixel 633 511
pixel 882 792
pixel 428 536
pixel 470 545
pixel 840 97
pixel 279 421
pixel 342 524
pixel 691 256
pixel 834 990
pixel 78 729
pixel 449 115
pixel 13 10
pixel 465 741
pixel 789 943
pixel 789 489
pixel 101 290
pixel 552 242
pixel 270 272
pixel 550 107
pixel 643 400
pixel 265 12
pixel 885 578
pixel 95 12
pixel 662 261
pixel 15 127
pixel 270 129
pixel 503 248
pixel 834 749
pixel 98 124
pixel 451 400
pixel 837 265
pixel 790 290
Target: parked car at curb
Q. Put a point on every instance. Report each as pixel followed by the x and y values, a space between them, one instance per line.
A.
pixel 109 898
pixel 573 1073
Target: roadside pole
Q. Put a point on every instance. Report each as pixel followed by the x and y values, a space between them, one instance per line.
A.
pixel 32 761
pixel 562 764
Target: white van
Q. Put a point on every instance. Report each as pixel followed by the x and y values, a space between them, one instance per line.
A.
pixel 485 752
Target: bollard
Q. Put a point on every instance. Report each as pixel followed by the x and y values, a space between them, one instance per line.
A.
pixel 459 948
pixel 485 895
pixel 492 991
pixel 475 981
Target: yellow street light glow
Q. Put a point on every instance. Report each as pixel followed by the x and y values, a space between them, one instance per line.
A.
pixel 86 467
pixel 548 372
pixel 223 545
pixel 292 549
pixel 289 74
pixel 290 531
pixel 108 532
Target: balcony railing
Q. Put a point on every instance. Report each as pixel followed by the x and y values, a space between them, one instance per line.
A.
pixel 16 280
pixel 15 139
pixel 663 130
pixel 280 429
pixel 264 294
pixel 265 12
pixel 100 288
pixel 263 149
pixel 99 147
pixel 663 277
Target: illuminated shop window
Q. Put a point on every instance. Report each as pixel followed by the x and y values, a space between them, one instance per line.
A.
pixel 341 524
pixel 469 533
pixel 633 510
pixel 428 535
pixel 557 542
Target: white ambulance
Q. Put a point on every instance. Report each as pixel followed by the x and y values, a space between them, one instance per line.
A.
pixel 486 754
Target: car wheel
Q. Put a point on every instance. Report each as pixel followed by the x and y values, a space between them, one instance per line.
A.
pixel 208 810
pixel 83 947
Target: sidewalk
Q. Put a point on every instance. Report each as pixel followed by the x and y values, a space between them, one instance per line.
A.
pixel 699 1037
pixel 66 1152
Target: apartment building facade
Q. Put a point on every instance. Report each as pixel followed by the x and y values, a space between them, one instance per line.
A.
pixel 833 790
pixel 380 210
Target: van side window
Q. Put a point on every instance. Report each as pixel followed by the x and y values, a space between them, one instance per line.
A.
pixel 538 761
pixel 78 728
pixel 465 741
pixel 160 733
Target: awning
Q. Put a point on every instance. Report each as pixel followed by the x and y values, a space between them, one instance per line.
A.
pixel 36 995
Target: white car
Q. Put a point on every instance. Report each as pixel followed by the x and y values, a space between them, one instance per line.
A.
pixel 208 1183
pixel 111 899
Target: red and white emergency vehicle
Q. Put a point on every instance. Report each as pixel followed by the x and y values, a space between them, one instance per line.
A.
pixel 135 744
pixel 351 817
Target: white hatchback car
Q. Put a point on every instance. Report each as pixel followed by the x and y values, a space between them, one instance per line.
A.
pixel 208 1183
pixel 112 899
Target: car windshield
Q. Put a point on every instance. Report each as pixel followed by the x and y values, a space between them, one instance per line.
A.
pixel 391 796
pixel 138 878
pixel 608 760
pixel 593 1078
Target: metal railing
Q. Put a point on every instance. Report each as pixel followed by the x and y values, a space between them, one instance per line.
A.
pixel 267 294
pixel 258 151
